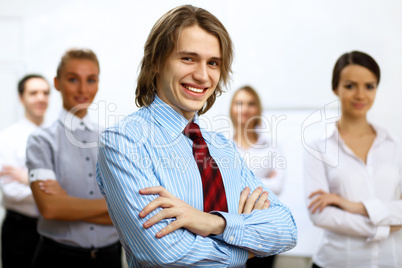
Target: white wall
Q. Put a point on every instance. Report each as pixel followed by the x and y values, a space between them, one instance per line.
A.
pixel 285 49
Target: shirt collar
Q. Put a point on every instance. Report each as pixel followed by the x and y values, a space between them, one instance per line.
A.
pixel 72 122
pixel 169 118
pixel 381 134
pixel 29 123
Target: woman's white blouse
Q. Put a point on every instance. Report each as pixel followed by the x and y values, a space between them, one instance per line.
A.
pixel 352 240
pixel 263 159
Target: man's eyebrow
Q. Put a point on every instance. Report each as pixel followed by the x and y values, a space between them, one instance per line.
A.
pixel 216 58
pixel 189 53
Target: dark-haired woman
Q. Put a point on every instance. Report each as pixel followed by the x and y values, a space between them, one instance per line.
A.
pixel 354 194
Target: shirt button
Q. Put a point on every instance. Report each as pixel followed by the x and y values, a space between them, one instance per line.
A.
pixel 87 158
pixel 90 174
pixel 231 238
pixel 91 192
pixel 91 228
pixel 82 123
pixel 84 141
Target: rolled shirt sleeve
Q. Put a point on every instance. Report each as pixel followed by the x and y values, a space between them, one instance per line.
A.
pixel 120 180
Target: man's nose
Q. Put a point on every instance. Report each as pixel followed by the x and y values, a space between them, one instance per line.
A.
pixel 201 73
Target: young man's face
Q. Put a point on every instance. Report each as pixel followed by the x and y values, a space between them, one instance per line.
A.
pixel 35 98
pixel 191 72
pixel 78 84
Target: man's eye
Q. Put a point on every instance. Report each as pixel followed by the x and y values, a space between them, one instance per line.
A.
pixel 92 81
pixel 349 86
pixel 72 79
pixel 186 59
pixel 370 86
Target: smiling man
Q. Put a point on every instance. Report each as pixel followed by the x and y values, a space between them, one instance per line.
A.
pixel 168 213
pixel 19 236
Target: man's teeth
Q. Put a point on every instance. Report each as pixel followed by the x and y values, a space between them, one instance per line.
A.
pixel 193 89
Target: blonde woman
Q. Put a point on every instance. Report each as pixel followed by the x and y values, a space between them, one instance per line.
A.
pixel 258 152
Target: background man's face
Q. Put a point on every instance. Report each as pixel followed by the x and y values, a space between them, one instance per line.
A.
pixel 191 72
pixel 35 97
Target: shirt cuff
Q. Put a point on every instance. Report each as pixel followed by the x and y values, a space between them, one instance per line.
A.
pixel 41 174
pixel 376 210
pixel 381 233
pixel 234 230
pixel 238 257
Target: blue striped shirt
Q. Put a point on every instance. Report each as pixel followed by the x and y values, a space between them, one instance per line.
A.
pixel 148 149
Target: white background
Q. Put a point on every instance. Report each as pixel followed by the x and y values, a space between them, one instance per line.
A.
pixel 286 49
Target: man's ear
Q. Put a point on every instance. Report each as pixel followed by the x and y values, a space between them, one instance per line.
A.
pixel 56 83
pixel 21 98
pixel 155 69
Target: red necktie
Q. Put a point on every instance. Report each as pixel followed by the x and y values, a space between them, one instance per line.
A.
pixel 212 184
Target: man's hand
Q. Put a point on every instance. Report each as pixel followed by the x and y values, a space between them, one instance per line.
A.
pixel 51 187
pixel 188 217
pixel 14 174
pixel 257 200
pixel 324 199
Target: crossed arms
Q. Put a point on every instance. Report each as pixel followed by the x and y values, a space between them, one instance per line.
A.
pixel 54 204
pixel 371 219
pixel 157 228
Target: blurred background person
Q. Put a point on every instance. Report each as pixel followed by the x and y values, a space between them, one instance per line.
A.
pixel 75 227
pixel 19 236
pixel 257 150
pixel 357 201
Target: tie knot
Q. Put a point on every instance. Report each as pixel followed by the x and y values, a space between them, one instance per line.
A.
pixel 192 131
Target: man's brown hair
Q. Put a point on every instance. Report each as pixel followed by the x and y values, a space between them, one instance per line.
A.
pixel 163 39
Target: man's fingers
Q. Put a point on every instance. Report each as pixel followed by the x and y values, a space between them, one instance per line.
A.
pixel 251 200
pixel 266 204
pixel 173 226
pixel 159 190
pixel 261 200
pixel 243 199
pixel 163 214
pixel 162 202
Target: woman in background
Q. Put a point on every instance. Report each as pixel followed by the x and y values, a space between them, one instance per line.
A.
pixel 75 227
pixel 257 151
pixel 357 201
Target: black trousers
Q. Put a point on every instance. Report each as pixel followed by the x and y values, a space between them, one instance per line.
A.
pixel 315 266
pixel 50 254
pixel 266 262
pixel 18 240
